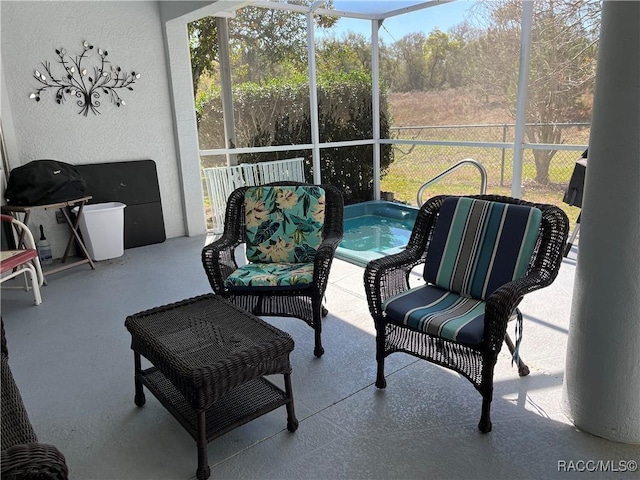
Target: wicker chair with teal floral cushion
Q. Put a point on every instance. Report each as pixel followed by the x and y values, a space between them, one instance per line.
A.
pixel 290 231
pixel 481 255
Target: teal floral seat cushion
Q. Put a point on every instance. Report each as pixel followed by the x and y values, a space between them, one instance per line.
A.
pixel 284 224
pixel 284 275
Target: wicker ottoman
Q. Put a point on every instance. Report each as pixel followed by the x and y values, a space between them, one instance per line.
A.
pixel 209 358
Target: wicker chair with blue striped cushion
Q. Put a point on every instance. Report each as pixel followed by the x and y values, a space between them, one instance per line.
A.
pixel 481 255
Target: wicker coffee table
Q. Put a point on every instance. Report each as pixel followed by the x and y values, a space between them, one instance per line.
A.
pixel 209 358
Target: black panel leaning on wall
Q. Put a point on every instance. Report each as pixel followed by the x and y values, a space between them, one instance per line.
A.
pixel 134 183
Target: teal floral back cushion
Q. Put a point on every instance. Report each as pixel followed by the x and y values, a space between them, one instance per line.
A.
pixel 284 224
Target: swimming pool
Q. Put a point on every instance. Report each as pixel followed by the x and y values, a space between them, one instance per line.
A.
pixel 375 229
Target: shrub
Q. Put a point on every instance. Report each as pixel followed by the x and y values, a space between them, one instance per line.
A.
pixel 277 113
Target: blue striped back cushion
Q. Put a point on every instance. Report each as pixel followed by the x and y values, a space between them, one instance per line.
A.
pixel 478 246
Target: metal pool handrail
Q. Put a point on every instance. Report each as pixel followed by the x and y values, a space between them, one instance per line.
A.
pixel 440 176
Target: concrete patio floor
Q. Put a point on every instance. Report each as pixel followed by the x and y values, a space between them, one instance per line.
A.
pixel 72 361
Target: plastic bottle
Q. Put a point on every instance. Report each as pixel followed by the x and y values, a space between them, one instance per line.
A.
pixel 44 249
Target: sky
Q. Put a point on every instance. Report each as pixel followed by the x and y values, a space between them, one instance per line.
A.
pixel 394 28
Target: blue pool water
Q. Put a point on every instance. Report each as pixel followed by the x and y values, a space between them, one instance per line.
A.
pixel 375 229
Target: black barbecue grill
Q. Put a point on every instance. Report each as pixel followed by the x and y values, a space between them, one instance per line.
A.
pixel 573 195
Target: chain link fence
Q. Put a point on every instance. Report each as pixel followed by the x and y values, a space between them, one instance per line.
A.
pixel 414 165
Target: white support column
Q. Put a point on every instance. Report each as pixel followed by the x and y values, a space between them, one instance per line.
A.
pixel 222 24
pixel 12 158
pixel 375 107
pixel 178 54
pixel 313 99
pixel 521 105
pixel 602 379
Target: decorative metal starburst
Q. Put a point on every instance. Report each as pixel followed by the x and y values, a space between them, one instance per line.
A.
pixel 87 84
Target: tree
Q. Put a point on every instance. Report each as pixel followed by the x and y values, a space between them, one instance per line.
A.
pixel 348 53
pixel 440 51
pixel 461 58
pixel 203 43
pixel 562 64
pixel 262 41
pixel 411 63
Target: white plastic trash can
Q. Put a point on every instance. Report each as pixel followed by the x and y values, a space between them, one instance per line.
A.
pixel 102 228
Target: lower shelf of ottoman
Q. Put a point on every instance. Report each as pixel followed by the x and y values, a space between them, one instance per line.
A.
pixel 237 407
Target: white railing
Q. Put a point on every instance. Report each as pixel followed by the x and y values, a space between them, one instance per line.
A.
pixel 221 181
pixel 281 170
pixel 461 163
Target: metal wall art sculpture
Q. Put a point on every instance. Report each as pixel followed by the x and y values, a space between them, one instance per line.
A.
pixel 86 83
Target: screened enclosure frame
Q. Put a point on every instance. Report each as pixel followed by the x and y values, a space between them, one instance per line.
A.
pixel 226 9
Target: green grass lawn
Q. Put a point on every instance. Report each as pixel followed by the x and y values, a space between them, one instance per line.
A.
pixel 413 168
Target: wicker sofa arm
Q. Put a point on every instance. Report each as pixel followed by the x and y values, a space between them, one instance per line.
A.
pixel 502 303
pixel 16 427
pixel 323 260
pixel 33 461
pixel 22 457
pixel 218 260
pixel 388 276
pixel 329 245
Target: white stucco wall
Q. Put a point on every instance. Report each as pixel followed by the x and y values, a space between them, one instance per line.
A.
pixel 132 33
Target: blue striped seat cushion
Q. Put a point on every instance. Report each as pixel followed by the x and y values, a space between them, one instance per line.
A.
pixel 478 246
pixel 440 313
